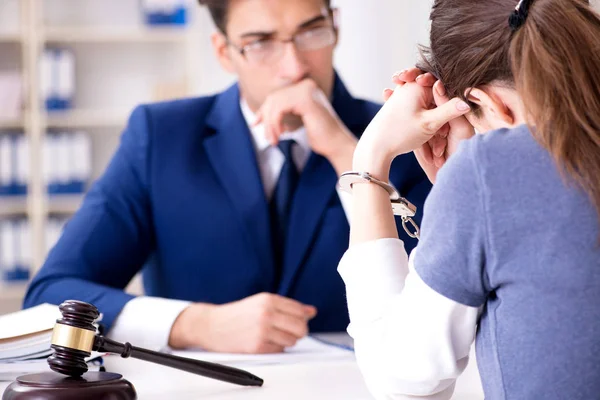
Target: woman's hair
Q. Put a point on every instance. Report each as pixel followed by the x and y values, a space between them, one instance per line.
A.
pixel 552 60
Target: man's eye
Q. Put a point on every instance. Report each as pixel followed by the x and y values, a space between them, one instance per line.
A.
pixel 259 44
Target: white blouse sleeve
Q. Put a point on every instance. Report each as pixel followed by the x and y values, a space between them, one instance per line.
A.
pixel 410 341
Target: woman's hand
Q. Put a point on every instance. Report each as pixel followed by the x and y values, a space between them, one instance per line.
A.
pixel 435 148
pixel 434 154
pixel 408 120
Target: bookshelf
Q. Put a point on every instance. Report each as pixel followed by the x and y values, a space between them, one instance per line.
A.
pixel 13 206
pixel 86 119
pixel 10 37
pixel 13 123
pixel 119 35
pixel 104 52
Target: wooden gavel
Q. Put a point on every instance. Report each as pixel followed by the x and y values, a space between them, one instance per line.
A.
pixel 74 338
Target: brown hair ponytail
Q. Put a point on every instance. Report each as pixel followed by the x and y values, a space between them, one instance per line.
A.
pixel 556 65
pixel 552 58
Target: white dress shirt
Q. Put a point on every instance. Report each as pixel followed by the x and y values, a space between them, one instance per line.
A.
pixel 147 321
pixel 410 341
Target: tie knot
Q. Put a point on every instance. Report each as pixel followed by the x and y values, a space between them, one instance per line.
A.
pixel 286 148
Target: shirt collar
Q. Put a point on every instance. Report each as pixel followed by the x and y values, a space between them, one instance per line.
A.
pixel 258 132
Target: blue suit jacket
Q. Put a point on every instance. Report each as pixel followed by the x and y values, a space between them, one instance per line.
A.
pixel 183 190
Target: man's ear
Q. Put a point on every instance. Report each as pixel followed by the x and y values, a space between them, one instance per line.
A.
pixel 336 24
pixel 492 106
pixel 221 49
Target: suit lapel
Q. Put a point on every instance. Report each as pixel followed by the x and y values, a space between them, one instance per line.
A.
pixel 316 187
pixel 231 153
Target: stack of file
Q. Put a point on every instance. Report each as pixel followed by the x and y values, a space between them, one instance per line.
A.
pixel 25 339
pixel 57 78
pixel 165 12
pixel 14 164
pixel 67 162
pixel 15 250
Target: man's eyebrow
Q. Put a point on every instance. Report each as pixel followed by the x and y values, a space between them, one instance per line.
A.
pixel 311 21
pixel 257 33
pixel 305 24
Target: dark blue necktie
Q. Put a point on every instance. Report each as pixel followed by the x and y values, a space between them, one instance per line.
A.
pixel 282 200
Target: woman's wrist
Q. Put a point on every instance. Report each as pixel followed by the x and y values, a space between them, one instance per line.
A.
pixel 375 162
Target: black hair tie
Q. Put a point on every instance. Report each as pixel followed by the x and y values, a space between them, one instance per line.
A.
pixel 519 16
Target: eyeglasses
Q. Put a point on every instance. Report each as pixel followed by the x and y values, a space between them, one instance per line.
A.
pixel 268 51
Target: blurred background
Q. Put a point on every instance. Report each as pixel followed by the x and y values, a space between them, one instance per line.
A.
pixel 71 71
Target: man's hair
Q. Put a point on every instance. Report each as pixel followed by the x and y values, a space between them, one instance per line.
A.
pixel 219 8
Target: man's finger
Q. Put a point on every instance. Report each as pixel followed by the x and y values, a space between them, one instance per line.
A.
pixel 281 338
pixel 271 138
pixel 434 119
pixel 258 120
pixel 269 348
pixel 293 307
pixel 296 326
pixel 272 121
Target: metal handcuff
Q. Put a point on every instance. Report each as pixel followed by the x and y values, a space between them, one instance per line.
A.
pixel 400 206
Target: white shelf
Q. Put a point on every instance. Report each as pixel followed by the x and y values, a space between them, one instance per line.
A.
pixel 114 35
pixel 12 291
pixel 86 119
pixel 13 123
pixel 42 23
pixel 10 37
pixel 64 203
pixel 10 206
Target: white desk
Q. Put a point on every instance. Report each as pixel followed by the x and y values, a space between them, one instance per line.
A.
pixel 317 380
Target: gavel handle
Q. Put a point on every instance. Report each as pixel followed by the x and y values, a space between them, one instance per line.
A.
pixel 203 368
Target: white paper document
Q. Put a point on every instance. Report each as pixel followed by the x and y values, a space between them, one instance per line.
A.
pixel 307 349
pixel 33 320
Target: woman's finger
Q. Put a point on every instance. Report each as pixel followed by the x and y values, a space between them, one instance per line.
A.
pixel 387 93
pixel 426 154
pixel 405 76
pixel 440 96
pixel 426 80
pixel 438 146
pixel 435 119
pixel 439 161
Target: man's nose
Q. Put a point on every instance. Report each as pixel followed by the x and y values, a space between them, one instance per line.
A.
pixel 292 65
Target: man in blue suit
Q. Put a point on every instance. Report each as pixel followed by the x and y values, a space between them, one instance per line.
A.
pixel 230 201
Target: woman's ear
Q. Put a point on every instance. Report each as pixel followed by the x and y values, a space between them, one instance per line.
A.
pixel 494 109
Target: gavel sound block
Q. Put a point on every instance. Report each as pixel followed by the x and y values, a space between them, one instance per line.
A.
pixel 73 339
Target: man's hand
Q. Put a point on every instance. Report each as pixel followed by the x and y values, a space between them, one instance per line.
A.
pixel 263 323
pixel 305 104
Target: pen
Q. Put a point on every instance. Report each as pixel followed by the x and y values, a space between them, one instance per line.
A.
pixel 210 370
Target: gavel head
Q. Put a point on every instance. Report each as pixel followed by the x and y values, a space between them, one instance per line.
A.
pixel 73 338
